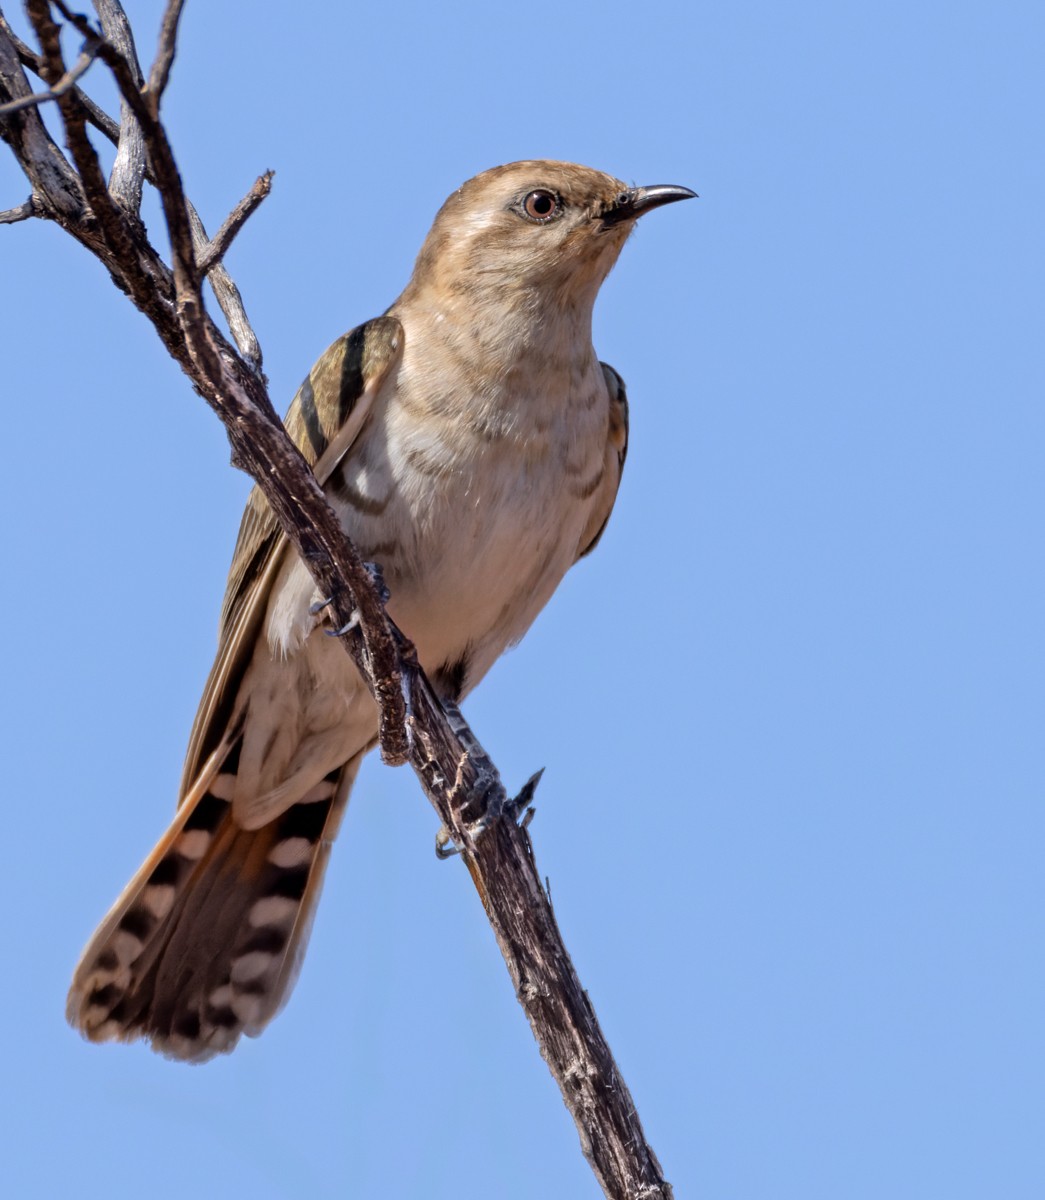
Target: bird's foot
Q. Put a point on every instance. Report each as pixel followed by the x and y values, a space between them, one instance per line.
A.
pixel 523 802
pixel 315 609
pixel 377 577
pixel 492 805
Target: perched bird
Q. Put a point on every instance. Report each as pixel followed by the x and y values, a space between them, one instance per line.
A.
pixel 471 443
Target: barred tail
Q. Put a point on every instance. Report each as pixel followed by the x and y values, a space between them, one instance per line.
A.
pixel 206 940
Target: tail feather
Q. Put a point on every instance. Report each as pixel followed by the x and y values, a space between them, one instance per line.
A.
pixel 205 942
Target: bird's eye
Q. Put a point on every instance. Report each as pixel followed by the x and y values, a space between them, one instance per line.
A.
pixel 541 206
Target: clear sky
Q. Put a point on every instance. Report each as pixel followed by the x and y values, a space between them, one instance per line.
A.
pixel 791 711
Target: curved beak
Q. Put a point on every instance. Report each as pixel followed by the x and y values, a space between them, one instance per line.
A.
pixel 635 201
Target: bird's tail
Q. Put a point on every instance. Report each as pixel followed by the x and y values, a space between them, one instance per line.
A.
pixel 207 938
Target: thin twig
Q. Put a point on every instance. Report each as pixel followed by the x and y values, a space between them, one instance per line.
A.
pixel 233 223
pixel 98 117
pixel 161 68
pixel 229 300
pixel 225 291
pixel 87 56
pixel 25 53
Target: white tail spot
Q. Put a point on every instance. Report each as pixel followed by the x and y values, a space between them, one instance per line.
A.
pixel 322 791
pixel 249 967
pixel 222 786
pixel 158 898
pixel 247 1008
pixel 104 1032
pixel 272 910
pixel 192 844
pixel 220 1039
pixel 126 946
pixel 291 852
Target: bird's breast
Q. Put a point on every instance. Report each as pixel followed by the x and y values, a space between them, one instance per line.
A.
pixel 474 505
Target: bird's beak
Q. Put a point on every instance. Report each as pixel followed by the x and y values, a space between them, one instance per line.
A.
pixel 635 201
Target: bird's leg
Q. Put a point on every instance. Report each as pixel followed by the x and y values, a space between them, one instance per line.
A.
pixel 489 794
pixel 377 577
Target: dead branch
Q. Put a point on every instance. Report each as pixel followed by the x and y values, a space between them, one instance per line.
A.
pixel 225 290
pixel 21 212
pixel 233 223
pixel 61 86
pixel 455 772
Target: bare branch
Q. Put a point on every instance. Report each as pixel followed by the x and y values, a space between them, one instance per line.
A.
pixel 87 56
pixel 225 291
pixel 25 53
pixel 128 172
pixel 21 213
pixel 55 184
pixel 233 223
pixel 161 68
pixel 95 114
pixel 168 181
pixel 121 233
pixel 229 300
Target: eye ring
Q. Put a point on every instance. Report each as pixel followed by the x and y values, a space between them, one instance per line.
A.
pixel 540 206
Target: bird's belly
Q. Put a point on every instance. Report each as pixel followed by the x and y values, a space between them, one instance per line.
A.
pixel 479 584
pixel 476 559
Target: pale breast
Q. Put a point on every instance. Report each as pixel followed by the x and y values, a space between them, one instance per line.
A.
pixel 475 515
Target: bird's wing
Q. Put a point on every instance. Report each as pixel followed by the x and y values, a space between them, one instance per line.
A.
pixel 324 419
pixel 616 453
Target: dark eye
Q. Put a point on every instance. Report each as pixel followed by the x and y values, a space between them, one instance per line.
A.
pixel 541 205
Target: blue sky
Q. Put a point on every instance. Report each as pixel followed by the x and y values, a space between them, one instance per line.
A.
pixel 791 711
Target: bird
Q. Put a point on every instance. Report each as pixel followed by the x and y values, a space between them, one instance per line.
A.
pixel 471 443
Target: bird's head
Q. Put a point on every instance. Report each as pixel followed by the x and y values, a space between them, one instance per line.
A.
pixel 534 228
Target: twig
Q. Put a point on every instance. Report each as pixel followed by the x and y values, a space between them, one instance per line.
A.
pixel 233 223
pixel 161 68
pixel 28 58
pixel 225 291
pixel 87 56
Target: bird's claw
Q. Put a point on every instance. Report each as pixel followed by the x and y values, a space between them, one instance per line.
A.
pixel 495 806
pixel 317 606
pixel 521 804
pixel 444 846
pixel 378 579
pixel 349 625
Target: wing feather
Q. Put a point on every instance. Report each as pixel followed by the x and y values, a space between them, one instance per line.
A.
pixel 617 447
pixel 324 419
